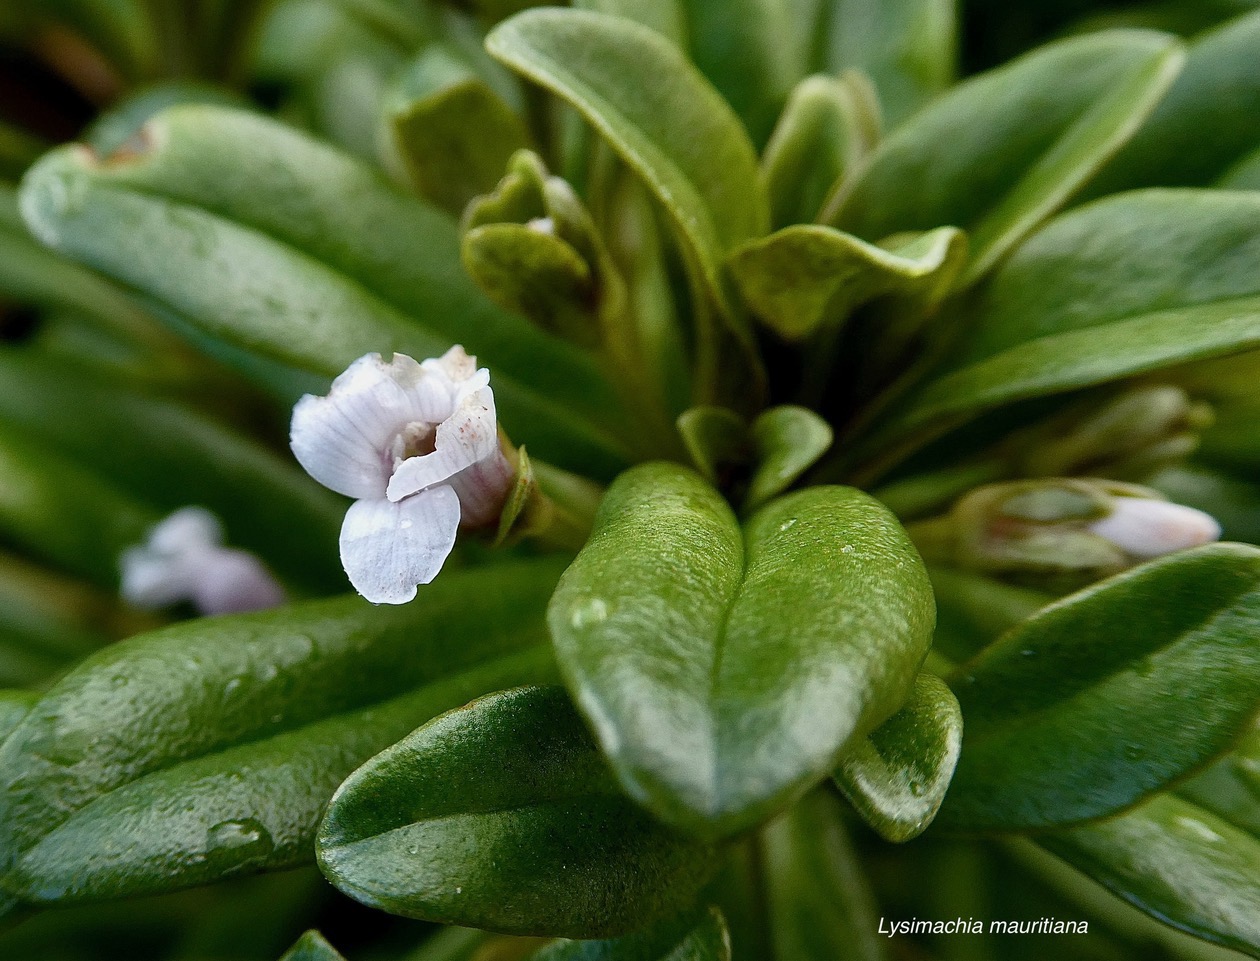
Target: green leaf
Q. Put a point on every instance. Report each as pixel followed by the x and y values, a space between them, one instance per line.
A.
pixel 907 49
pixel 805 277
pixel 1104 698
pixel 666 17
pixel 452 133
pixel 14 705
pixel 65 514
pixel 1244 175
pixel 1001 152
pixel 898 776
pixel 168 456
pixel 821 135
pixel 716 440
pixel 638 90
pixel 745 47
pixel 1178 862
pixel 48 621
pixel 1230 786
pixel 283 246
pixel 819 902
pixel 787 441
pixel 503 815
pixel 692 938
pixel 724 670
pixel 210 748
pixel 1130 284
pixel 536 274
pixel 1207 121
pixel 312 946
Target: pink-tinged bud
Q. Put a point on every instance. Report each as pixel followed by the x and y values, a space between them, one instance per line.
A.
pixel 417 444
pixel 1145 528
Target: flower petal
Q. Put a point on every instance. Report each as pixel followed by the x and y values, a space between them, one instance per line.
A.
pixel 469 435
pixel 153 580
pixel 345 440
pixel 388 548
pixel 187 530
pixel 1146 528
pixel 234 581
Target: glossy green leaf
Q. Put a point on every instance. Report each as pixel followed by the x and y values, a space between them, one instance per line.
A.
pixel 48 621
pixel 1001 152
pixel 898 776
pixel 1244 175
pixel 1178 862
pixel 821 135
pixel 537 274
pixel 666 17
pixel 14 706
pixel 724 670
pixel 1104 698
pixel 503 815
pixel 169 456
pixel 745 47
pixel 1207 121
pixel 907 49
pixel 65 514
pixel 805 277
pixel 1230 787
pixel 210 748
pixel 452 132
pixel 1123 286
pixel 334 264
pixel 716 439
pixel 31 275
pixel 693 938
pixel 665 121
pixel 819 903
pixel 312 946
pixel 786 441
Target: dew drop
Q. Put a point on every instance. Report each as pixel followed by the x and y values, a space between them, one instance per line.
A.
pixel 230 843
pixel 847 549
pixel 787 524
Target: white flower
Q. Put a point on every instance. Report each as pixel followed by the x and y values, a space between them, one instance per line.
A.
pixel 184 560
pixel 418 445
pixel 1144 528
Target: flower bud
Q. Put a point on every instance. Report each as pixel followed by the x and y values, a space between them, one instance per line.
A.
pixel 1061 532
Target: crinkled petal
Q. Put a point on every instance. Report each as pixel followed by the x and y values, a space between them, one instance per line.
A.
pixel 389 548
pixel 235 581
pixel 1151 528
pixel 469 435
pixel 345 440
pixel 456 364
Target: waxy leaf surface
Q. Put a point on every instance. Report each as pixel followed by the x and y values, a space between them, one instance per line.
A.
pixel 723 669
pixel 210 748
pixel 333 262
pixel 1109 695
pixel 898 776
pixel 503 815
pixel 1002 151
pixel 1123 286
pixel 1177 861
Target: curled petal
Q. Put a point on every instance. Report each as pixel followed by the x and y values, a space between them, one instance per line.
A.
pixel 483 488
pixel 1151 528
pixel 469 435
pixel 455 364
pixel 345 440
pixel 388 548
